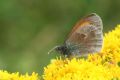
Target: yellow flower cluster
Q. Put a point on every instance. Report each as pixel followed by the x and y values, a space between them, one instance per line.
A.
pixel 104 65
pixel 4 75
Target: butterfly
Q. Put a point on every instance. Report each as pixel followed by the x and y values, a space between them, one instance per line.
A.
pixel 85 38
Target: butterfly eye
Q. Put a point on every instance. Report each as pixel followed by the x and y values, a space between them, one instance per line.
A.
pixel 61 48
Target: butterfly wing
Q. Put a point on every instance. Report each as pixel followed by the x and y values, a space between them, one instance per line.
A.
pixel 86 36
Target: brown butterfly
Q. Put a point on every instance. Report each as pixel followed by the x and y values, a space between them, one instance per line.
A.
pixel 86 37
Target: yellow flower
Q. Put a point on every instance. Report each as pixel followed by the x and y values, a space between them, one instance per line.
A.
pixel 76 69
pixel 104 65
pixel 4 75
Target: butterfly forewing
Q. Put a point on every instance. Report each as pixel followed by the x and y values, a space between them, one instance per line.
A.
pixel 86 36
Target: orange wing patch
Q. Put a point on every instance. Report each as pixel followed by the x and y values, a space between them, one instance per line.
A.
pixel 79 24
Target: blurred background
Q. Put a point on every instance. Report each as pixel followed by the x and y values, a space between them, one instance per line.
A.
pixel 30 28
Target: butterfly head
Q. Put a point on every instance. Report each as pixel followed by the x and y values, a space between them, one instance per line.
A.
pixel 62 49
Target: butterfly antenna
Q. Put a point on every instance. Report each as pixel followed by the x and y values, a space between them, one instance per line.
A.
pixel 52 49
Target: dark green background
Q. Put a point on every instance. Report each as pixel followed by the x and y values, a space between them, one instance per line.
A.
pixel 30 28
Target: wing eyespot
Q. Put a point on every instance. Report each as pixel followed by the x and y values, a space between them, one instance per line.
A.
pixel 82 36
